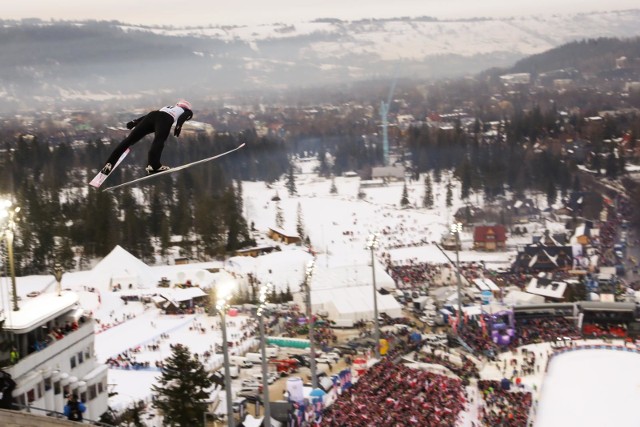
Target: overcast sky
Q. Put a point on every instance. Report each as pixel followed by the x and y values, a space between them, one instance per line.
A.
pixel 243 12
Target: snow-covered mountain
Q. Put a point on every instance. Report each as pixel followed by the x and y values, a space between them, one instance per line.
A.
pixel 98 60
pixel 418 39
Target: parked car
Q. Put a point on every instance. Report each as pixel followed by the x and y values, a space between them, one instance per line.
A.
pixel 345 349
pixel 335 356
pixel 302 359
pixel 250 383
pixel 252 389
pixel 271 377
pixel 252 397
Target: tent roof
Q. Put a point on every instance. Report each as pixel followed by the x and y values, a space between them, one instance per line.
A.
pixel 121 264
pixel 182 294
pixel 354 299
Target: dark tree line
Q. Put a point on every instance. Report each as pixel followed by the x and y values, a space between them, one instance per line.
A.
pixel 507 160
pixel 62 217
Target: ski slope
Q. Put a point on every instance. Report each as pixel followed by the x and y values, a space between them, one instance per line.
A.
pixel 591 388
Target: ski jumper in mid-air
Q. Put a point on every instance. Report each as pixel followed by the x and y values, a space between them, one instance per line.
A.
pixel 159 123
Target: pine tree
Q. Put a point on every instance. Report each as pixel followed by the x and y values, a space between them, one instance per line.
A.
pixel 182 390
pixel 333 189
pixel 279 216
pixel 449 200
pixel 165 236
pixel 237 229
pixel 552 193
pixel 323 167
pixel 300 223
pixel 465 179
pixel 207 224
pixel 64 254
pixel 437 175
pixel 404 200
pixel 361 193
pixel 427 202
pixel 291 182
pixel 239 197
pixel 273 296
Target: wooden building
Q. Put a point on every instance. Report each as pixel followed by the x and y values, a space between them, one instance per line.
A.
pixel 489 237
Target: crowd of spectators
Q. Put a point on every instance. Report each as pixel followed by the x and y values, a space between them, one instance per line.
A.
pixel 54 333
pixel 503 408
pixel 466 370
pixel 114 321
pixel 615 330
pixel 293 323
pixel 391 394
pixel 617 212
pixel 544 329
pixel 127 360
pixel 472 334
pixel 412 274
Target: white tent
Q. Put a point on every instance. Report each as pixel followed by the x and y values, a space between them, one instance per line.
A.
pixel 345 291
pixel 120 267
pixel 350 303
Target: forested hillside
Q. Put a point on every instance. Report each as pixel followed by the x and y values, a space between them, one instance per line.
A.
pixel 202 204
pixel 593 56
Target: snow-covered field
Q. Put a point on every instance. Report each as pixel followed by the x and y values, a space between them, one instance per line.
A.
pixel 586 388
pixel 591 388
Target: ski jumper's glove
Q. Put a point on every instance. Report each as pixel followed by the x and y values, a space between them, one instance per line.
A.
pixel 133 123
pixel 186 115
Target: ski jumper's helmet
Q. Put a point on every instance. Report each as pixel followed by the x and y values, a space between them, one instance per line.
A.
pixel 184 104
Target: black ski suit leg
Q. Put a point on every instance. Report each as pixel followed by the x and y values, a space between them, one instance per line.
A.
pixel 163 123
pixel 144 128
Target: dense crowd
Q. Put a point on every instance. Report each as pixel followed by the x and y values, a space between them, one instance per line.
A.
pixel 546 329
pixel 391 394
pixel 615 330
pixel 528 331
pixel 465 370
pixel 293 323
pixel 473 335
pixel 413 274
pixel 503 408
pixel 55 333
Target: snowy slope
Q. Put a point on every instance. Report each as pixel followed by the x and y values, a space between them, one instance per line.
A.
pixel 415 39
pixel 224 59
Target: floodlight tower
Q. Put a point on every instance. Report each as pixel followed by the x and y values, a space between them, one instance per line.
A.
pixel 8 214
pixel 261 312
pixel 312 351
pixel 456 228
pixel 222 306
pixel 372 245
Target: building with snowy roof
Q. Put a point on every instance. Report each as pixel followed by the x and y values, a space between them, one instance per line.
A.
pixel 549 289
pixel 48 350
pixel 285 236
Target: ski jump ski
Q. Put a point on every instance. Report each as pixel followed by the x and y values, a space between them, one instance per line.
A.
pixel 176 169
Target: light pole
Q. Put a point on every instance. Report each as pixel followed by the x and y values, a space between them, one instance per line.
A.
pixel 372 245
pixel 222 306
pixel 58 271
pixel 8 215
pixel 455 230
pixel 264 292
pixel 312 352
